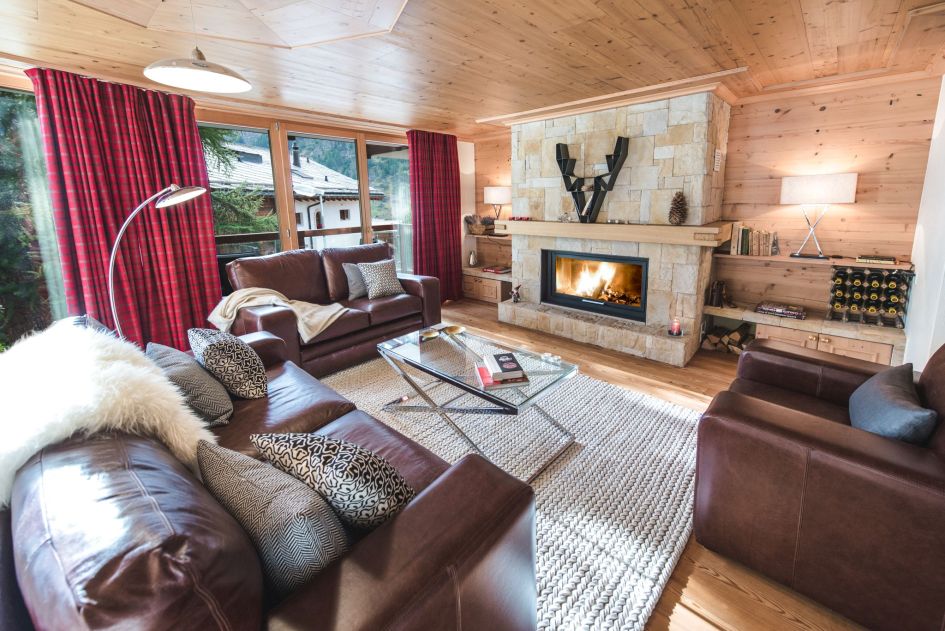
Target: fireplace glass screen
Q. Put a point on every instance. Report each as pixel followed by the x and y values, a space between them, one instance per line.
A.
pixel 613 285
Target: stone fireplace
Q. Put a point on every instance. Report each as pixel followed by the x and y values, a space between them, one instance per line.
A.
pixel 619 286
pixel 599 283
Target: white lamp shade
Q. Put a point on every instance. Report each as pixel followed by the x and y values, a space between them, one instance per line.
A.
pixel 497 195
pixel 832 188
pixel 197 74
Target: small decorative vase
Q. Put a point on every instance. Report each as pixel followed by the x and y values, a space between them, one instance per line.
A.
pixel 473 259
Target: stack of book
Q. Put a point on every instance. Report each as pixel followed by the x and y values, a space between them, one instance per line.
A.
pixel 501 370
pixel 876 259
pixel 782 310
pixel 749 242
pixel 497 269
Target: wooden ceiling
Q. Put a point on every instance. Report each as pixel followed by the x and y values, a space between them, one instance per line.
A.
pixel 447 63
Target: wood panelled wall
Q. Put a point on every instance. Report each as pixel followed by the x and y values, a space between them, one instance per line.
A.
pixel 493 168
pixel 880 132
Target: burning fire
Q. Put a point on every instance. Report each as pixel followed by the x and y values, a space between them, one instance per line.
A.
pixel 593 283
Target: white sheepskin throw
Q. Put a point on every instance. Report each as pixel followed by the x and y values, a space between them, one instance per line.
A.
pixel 69 379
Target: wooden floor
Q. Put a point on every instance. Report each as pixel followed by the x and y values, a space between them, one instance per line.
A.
pixel 706 591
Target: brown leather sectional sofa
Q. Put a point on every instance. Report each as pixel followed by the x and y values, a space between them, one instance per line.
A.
pixel 317 276
pixel 786 486
pixel 112 531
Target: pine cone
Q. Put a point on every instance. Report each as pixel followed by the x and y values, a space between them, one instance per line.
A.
pixel 678 209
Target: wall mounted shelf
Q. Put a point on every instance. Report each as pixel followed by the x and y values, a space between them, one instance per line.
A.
pixel 710 235
pixel 790 260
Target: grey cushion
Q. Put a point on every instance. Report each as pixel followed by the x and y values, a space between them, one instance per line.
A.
pixel 356 287
pixel 231 360
pixel 887 404
pixel 364 489
pixel 294 530
pixel 204 394
pixel 381 279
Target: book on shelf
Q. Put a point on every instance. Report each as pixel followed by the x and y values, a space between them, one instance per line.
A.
pixel 749 242
pixel 497 269
pixel 875 259
pixel 782 310
pixel 488 383
pixel 503 366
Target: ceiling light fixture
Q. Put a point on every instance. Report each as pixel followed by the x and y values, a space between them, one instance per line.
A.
pixel 197 73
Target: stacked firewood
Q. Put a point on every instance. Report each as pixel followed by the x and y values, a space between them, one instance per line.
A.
pixel 729 341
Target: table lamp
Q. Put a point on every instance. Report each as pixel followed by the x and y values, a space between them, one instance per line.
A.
pixel 817 190
pixel 167 197
pixel 497 196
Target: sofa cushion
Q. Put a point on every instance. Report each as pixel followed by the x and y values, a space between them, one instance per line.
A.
pixel 293 528
pixel 351 321
pixel 364 489
pixel 381 279
pixel 419 466
pixel 888 404
pixel 231 360
pixel 204 394
pixel 389 308
pixel 932 394
pixel 113 531
pixel 356 287
pixel 793 400
pixel 297 402
pixel 296 274
pixel 333 258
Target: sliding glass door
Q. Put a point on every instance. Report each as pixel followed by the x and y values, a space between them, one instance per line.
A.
pixel 389 179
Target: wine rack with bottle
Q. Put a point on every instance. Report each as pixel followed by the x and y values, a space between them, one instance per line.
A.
pixel 870 296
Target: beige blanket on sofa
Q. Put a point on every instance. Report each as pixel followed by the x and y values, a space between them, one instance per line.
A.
pixel 312 319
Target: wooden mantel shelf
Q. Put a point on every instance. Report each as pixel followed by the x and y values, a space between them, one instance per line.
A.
pixel 709 236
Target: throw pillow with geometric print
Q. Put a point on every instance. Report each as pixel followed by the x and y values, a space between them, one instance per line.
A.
pixel 231 360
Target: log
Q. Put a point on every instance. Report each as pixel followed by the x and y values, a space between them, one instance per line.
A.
pixel 715 335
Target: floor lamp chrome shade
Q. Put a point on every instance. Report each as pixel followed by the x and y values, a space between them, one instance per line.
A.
pixel 170 196
pixel 198 74
pixel 817 190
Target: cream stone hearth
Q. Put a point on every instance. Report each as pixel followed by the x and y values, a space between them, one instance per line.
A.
pixel 673 147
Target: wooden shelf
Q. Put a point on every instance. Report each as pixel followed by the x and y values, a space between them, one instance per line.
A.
pixel 790 260
pixel 710 235
pixel 477 271
pixel 490 237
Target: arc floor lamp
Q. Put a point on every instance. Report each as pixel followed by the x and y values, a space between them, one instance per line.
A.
pixel 167 197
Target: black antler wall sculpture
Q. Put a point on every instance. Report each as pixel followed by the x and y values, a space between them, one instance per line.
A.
pixel 587 210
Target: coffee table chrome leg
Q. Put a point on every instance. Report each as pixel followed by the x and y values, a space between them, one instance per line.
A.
pixel 558 452
pixel 434 407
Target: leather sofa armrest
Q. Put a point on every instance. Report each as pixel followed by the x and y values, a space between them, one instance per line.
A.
pixel 427 288
pixel 280 321
pixel 271 349
pixel 824 375
pixel 468 539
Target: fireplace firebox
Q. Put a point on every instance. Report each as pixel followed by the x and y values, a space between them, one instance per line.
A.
pixel 601 283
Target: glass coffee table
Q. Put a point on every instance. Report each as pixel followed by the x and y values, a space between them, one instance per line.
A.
pixel 453 360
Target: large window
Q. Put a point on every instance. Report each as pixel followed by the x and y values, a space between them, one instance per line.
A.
pixel 31 293
pixel 325 191
pixel 242 191
pixel 389 177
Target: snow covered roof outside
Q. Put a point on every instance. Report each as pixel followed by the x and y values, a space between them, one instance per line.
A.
pixel 310 180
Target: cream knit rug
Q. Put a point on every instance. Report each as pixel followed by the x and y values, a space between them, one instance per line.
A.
pixel 613 513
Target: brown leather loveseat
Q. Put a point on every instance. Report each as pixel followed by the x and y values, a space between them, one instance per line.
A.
pixel 786 486
pixel 317 276
pixel 112 531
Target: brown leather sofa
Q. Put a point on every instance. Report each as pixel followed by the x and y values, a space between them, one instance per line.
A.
pixel 112 531
pixel 786 486
pixel 318 277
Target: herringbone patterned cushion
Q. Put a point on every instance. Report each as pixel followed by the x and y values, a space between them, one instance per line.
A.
pixel 294 530
pixel 231 360
pixel 364 489
pixel 205 395
pixel 381 279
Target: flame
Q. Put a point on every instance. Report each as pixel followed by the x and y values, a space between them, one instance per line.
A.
pixel 592 283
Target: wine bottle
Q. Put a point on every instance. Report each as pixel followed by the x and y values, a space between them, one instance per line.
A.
pixel 857 279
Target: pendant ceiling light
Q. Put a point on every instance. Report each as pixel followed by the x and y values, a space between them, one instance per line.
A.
pixel 197 73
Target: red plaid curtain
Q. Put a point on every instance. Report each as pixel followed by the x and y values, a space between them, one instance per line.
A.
pixel 108 148
pixel 437 220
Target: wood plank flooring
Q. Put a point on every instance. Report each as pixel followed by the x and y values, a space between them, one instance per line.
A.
pixel 706 591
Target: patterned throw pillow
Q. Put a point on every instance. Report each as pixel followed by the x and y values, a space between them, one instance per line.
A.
pixel 363 488
pixel 294 530
pixel 381 279
pixel 205 395
pixel 356 287
pixel 231 360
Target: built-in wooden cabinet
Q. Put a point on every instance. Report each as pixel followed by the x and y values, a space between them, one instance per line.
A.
pixel 848 347
pixel 486 289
